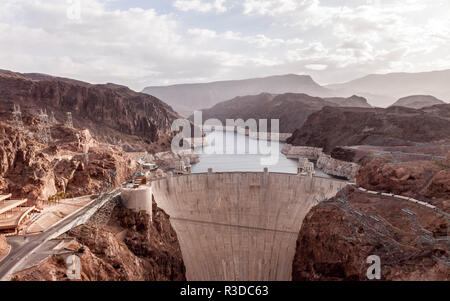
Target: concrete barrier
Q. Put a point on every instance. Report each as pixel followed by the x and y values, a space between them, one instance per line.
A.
pixel 404 198
pixel 139 199
pixel 311 153
pixel 337 168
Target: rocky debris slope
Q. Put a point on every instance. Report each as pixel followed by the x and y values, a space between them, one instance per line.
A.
pixel 333 127
pixel 74 162
pixel 418 101
pixel 428 181
pixel 112 113
pixel 291 109
pixel 129 246
pixel 339 235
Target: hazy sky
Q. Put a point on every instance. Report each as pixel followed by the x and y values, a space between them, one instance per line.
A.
pixel 140 43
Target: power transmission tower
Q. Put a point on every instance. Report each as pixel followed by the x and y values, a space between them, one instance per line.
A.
pixel 43 133
pixel 17 118
pixel 69 120
pixel 86 158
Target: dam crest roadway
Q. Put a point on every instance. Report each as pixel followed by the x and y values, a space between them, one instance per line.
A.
pixel 240 226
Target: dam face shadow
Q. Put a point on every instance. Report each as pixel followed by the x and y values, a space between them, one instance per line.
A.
pixel 240 226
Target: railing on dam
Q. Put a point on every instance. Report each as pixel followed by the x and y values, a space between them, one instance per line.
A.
pixel 247 172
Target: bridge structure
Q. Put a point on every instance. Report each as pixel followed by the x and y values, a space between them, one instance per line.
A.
pixel 240 226
pixel 13 213
pixel 20 256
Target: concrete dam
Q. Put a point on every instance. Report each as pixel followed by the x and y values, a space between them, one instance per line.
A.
pixel 240 226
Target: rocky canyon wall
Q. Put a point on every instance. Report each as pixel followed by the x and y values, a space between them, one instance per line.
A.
pixel 118 244
pixel 339 235
pixel 112 113
pixel 36 171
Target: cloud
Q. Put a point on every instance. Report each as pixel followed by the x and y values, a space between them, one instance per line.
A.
pixel 258 40
pixel 202 33
pixel 316 67
pixel 275 7
pixel 140 47
pixel 201 6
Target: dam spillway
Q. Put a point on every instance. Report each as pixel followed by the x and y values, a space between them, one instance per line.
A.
pixel 240 226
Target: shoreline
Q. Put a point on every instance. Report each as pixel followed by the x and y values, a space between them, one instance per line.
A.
pixel 267 136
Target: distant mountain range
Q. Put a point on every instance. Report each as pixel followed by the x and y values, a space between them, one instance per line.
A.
pixel 383 90
pixel 290 108
pixel 187 98
pixel 380 90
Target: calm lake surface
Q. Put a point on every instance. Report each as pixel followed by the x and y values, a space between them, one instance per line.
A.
pixel 230 152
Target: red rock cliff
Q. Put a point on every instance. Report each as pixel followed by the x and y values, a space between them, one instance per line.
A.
pixel 30 169
pixel 113 113
pixel 125 247
pixel 338 236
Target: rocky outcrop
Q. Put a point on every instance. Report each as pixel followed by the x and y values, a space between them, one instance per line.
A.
pixel 112 113
pixel 25 170
pixel 36 171
pixel 108 260
pixel 127 246
pixel 339 235
pixel 423 180
pixel 333 127
pixel 160 248
pixel 338 168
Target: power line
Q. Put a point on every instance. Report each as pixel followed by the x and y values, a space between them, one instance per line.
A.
pixel 44 134
pixel 17 118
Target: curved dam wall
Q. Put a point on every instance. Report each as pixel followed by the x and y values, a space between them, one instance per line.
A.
pixel 240 226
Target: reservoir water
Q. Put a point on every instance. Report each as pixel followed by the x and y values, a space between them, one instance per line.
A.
pixel 231 152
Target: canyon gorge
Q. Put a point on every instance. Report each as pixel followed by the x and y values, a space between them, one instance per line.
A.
pixel 232 225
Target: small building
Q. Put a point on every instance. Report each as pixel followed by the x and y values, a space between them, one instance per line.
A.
pixel 13 214
pixel 183 166
pixel 305 168
pixel 139 179
pixel 150 167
